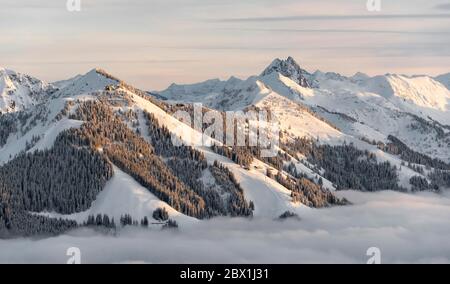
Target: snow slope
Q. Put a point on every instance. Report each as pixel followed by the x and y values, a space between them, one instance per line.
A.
pixel 359 106
pixel 46 129
pixel 444 80
pixel 19 91
pixel 233 94
pixel 64 83
pixel 123 195
pixel 421 95
pixel 409 108
pixel 270 198
pixel 44 107
pixel 297 121
pixel 94 80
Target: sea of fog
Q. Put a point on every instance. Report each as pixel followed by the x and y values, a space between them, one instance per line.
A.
pixel 406 228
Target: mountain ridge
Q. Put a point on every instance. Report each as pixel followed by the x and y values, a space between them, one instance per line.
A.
pixel 124 132
pixel 18 91
pixel 385 103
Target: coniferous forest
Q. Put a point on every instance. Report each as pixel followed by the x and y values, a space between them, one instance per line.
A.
pixel 65 179
pixel 68 177
pixel 348 167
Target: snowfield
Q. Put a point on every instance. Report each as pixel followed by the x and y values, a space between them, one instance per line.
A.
pixel 123 195
pixel 19 91
pixel 286 99
pixel 270 198
pixel 46 130
pixel 362 106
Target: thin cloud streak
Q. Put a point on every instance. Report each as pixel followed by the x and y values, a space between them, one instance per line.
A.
pixel 102 61
pixel 334 18
pixel 348 31
pixel 217 47
pixel 52 43
pixel 443 6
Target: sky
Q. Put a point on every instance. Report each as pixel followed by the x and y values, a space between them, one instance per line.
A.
pixel 153 43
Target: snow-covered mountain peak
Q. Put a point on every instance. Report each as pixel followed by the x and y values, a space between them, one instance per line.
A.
pixel 421 91
pixel 95 80
pixel 291 69
pixel 6 72
pixel 19 91
pixel 359 76
pixel 3 70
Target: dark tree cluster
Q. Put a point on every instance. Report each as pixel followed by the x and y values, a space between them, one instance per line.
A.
pixel 30 118
pixel 241 155
pixel 65 111
pixel 236 205
pixel 289 215
pixel 132 154
pixel 419 183
pixel 171 224
pixel 278 161
pixel 14 223
pixel 21 122
pixel 100 221
pixel 7 126
pixel 189 165
pixel 65 179
pixel 161 140
pixel 30 144
pixel 307 192
pixel 152 173
pixel 427 126
pixel 144 222
pixel 397 147
pixel 440 178
pixel 161 214
pixel 127 220
pixel 303 190
pixel 175 181
pixel 189 108
pixel 348 167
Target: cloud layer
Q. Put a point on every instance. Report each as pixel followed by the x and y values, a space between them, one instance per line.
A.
pixel 407 229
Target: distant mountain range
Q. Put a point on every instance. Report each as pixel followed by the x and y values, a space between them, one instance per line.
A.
pixel 95 151
pixel 414 109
